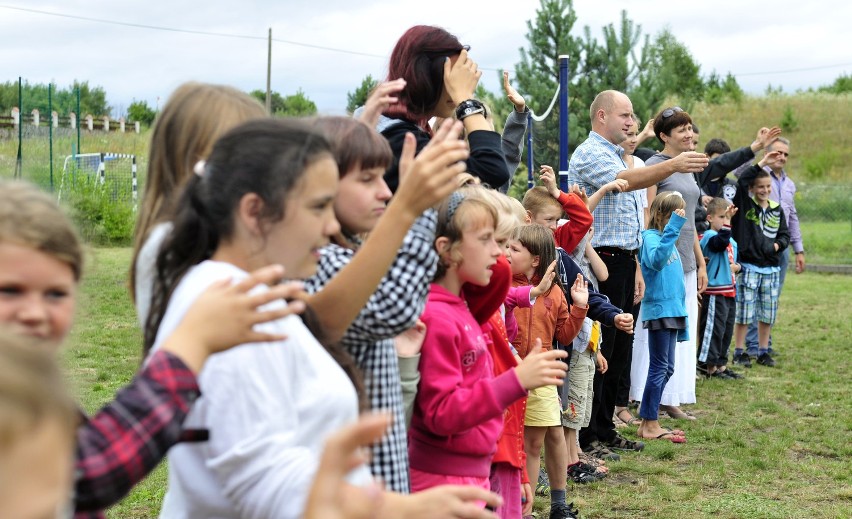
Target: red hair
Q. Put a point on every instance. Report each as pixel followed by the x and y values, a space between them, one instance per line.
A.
pixel 418 58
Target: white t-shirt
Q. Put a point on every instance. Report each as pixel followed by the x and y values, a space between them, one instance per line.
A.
pixel 268 407
pixel 146 264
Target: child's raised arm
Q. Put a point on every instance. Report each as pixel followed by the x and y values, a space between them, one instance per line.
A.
pixel 574 205
pixel 620 185
pixel 598 266
pixel 424 180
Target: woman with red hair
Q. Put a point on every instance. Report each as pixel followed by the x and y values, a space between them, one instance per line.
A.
pixel 440 80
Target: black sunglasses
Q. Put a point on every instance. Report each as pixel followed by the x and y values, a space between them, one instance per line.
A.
pixel 668 112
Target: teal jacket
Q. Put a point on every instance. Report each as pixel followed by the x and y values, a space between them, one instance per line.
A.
pixel 665 291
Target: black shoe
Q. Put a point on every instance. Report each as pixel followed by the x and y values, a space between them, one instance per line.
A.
pixel 601 452
pixel 564 511
pixel 580 473
pixel 620 443
pixel 742 359
pixel 723 375
pixel 731 374
pixel 701 368
pixel 765 360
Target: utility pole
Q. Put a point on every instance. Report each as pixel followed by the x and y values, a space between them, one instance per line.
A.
pixel 269 74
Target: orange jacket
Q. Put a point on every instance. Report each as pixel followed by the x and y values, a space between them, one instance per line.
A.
pixel 549 317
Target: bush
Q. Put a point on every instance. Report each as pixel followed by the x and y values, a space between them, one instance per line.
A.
pixel 101 217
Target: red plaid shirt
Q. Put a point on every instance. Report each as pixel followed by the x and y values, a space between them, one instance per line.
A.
pixel 121 444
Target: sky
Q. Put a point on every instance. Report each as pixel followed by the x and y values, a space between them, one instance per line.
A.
pixel 792 44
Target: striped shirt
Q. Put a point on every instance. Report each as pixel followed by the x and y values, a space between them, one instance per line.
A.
pixel 594 163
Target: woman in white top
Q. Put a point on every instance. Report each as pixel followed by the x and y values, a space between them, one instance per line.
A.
pixel 265 196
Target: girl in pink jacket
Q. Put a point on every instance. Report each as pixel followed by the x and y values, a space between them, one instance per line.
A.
pixel 458 413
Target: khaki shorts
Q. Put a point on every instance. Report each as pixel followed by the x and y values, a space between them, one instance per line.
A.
pixel 580 382
pixel 543 407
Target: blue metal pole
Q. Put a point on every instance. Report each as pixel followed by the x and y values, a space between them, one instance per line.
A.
pixel 530 179
pixel 563 123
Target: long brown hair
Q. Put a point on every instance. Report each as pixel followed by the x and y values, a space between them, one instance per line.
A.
pixel 662 207
pixel 195 116
pixel 538 239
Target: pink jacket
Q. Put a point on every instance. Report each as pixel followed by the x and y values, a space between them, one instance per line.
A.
pixel 458 413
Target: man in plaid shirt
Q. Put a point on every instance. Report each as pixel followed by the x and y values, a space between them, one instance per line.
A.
pixel 596 162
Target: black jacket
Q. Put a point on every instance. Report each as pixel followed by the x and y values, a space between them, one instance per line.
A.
pixel 757 230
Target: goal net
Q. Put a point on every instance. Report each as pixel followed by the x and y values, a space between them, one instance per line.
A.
pixel 113 174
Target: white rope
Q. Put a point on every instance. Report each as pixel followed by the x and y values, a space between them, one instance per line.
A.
pixel 539 118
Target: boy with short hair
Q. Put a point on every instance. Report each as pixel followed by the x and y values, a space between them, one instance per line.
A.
pixel 718 311
pixel 760 229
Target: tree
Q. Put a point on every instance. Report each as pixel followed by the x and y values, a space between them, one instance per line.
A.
pixel 842 84
pixel 92 99
pixel 276 98
pixel 297 105
pixel 140 111
pixel 360 95
pixel 667 70
pixel 537 75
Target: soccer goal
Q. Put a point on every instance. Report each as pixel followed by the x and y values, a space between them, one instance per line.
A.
pixel 113 173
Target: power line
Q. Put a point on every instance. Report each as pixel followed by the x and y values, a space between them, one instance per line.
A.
pixel 190 31
pixel 202 33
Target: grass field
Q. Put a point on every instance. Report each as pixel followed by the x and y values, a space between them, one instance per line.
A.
pixel 775 445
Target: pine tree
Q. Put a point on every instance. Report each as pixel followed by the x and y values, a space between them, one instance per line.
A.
pixel 360 95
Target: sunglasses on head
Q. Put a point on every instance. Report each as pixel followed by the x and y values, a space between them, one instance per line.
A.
pixel 668 112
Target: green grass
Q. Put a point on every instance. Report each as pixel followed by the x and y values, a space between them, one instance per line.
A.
pixel 827 243
pixel 774 445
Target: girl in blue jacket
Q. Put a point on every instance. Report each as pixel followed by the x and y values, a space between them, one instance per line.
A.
pixel 663 308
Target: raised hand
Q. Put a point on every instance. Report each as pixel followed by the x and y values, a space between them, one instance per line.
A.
pixel 461 77
pixel 542 368
pixel 770 158
pixel 546 281
pixel 730 211
pixel 766 135
pixel 690 162
pixel 548 180
pixel 680 212
pixel 575 189
pixel 380 98
pixel 580 291
pixel 430 176
pixel 513 95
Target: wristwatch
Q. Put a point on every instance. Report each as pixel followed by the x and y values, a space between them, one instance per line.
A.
pixel 470 107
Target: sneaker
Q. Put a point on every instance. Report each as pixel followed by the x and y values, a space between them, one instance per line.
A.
pixel 620 443
pixel 742 359
pixel 601 452
pixel 542 488
pixel 764 359
pixel 582 473
pixel 564 511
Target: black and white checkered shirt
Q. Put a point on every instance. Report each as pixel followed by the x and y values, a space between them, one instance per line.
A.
pixel 393 308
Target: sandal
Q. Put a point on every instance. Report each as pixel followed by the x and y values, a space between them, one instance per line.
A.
pixel 678 413
pixel 594 462
pixel 619 413
pixel 671 436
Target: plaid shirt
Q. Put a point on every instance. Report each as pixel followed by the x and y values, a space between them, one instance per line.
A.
pixel 594 163
pixel 394 307
pixel 121 444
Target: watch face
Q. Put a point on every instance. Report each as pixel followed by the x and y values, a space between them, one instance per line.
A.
pixel 468 110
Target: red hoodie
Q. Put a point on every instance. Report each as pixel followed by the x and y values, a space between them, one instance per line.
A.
pixel 579 220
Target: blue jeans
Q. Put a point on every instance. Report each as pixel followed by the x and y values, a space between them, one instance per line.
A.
pixel 751 335
pixel 661 350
